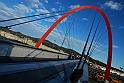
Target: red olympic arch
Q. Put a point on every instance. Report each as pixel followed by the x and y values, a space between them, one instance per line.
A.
pixel 108 66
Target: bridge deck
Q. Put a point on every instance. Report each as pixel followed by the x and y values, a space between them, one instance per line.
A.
pixel 25 70
pixel 39 72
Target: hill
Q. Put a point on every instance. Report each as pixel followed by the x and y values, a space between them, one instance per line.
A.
pixel 27 38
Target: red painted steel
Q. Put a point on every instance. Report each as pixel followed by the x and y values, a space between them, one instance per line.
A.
pixel 108 66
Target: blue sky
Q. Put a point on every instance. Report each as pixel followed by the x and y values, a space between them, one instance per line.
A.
pixel 113 9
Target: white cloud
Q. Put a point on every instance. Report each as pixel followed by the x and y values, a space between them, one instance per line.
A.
pixel 3 14
pixel 74 43
pixel 46 1
pixel 53 9
pixel 58 16
pixel 111 26
pixel 34 3
pixel 74 6
pixel 112 15
pixel 100 48
pixel 31 10
pixel 77 43
pixel 6 12
pixel 17 11
pixel 112 5
pixel 22 8
pixel 30 2
pixel 100 51
pixel 121 27
pixel 56 35
pixel 58 3
pixel 39 7
pixel 61 8
pixel 85 19
pixel 64 20
pixel 43 11
pixel 50 20
pixel 114 46
pixel 5 8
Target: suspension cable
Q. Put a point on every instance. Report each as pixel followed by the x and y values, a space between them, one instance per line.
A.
pixel 31 16
pixel 96 40
pixel 97 47
pixel 90 46
pixel 30 21
pixel 101 50
pixel 99 44
pixel 69 28
pixel 86 43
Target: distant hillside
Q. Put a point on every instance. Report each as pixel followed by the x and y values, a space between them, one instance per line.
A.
pixel 46 42
pixel 18 34
pixel 55 46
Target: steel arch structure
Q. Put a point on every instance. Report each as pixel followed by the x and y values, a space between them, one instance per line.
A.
pixel 108 66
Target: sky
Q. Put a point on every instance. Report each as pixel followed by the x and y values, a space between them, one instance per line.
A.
pixel 113 9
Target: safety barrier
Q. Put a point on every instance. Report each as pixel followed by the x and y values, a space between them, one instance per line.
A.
pixel 19 52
